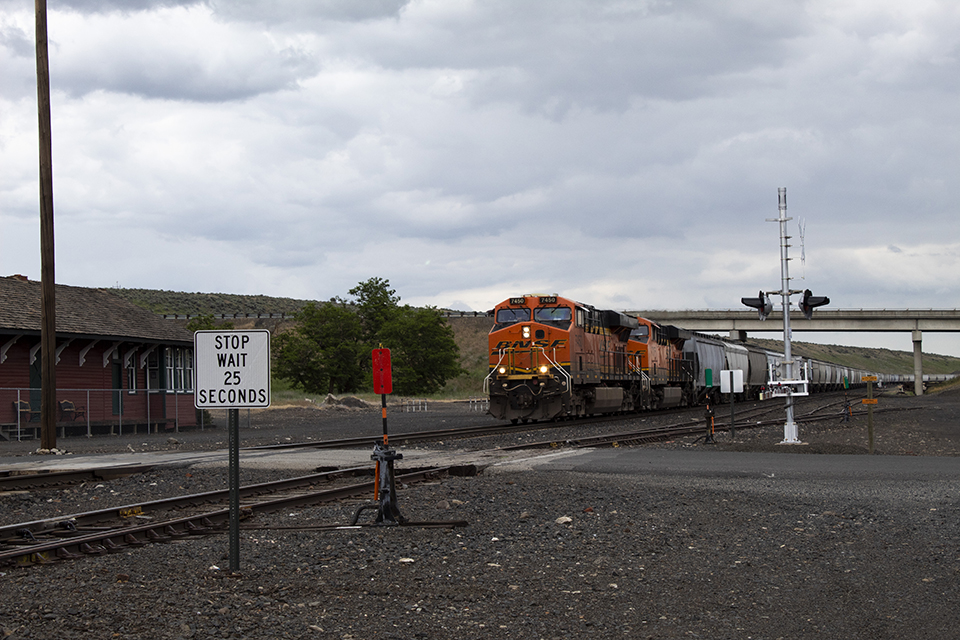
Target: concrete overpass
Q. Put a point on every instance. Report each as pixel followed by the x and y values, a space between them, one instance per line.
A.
pixel 739 323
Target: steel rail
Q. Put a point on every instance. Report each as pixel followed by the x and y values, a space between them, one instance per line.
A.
pixel 48 479
pixel 66 524
pixel 89 518
pixel 210 522
pixel 462 432
pixel 653 434
pixel 413 436
pixel 481 431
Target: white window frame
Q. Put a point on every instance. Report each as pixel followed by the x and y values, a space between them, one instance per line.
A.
pixel 131 380
pixel 179 369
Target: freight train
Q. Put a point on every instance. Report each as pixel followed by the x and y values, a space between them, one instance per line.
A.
pixel 552 358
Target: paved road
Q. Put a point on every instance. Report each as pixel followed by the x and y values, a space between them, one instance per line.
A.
pixel 712 466
pixel 302 459
pixel 726 464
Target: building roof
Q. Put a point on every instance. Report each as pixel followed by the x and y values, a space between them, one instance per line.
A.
pixel 95 313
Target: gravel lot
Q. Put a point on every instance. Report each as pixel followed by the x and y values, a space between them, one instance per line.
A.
pixel 675 555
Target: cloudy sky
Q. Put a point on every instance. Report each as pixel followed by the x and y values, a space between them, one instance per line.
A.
pixel 624 153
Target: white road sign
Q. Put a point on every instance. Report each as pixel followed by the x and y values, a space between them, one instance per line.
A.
pixel 233 369
pixel 731 381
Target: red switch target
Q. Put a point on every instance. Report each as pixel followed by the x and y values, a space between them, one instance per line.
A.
pixel 382 377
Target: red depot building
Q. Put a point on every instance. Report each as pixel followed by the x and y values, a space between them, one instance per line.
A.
pixel 120 368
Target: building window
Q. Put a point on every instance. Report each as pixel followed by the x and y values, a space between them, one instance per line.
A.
pixel 179 369
pixel 153 372
pixel 131 380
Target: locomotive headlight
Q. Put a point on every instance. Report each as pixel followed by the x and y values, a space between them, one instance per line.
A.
pixel 502 370
pixel 544 368
pixel 526 333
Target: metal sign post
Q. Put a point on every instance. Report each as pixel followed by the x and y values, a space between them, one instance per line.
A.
pixel 709 418
pixel 870 401
pixel 233 479
pixel 233 372
pixel 731 382
pixel 847 409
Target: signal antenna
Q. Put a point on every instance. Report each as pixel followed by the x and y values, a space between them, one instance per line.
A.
pixel 802 225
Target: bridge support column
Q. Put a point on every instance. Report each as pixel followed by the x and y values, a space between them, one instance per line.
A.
pixel 918 363
pixel 737 334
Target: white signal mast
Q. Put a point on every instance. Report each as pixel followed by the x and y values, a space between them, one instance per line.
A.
pixel 789 427
pixel 786 386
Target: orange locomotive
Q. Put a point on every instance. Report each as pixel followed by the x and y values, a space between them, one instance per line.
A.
pixel 552 357
pixel 662 361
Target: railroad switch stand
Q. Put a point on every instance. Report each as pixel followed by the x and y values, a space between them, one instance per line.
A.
pixel 385 495
pixel 710 426
pixel 388 513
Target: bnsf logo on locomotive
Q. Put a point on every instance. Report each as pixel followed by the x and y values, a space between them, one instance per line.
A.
pixel 525 344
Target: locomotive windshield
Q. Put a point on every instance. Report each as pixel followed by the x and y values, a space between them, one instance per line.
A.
pixel 510 316
pixel 556 316
pixel 641 334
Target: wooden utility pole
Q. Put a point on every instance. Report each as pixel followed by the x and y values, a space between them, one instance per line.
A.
pixel 48 314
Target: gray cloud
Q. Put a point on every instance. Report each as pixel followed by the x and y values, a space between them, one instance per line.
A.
pixel 626 153
pixel 313 14
pixel 262 11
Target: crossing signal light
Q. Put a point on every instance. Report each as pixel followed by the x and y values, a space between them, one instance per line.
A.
pixel 763 305
pixel 809 302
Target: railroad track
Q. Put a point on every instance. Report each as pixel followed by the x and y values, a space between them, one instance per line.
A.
pixel 119 528
pixel 507 428
pixel 50 479
pixel 465 432
pixel 744 420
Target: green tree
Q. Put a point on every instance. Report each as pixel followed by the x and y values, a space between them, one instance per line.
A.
pixel 329 348
pixel 323 353
pixel 375 304
pixel 423 352
pixel 299 361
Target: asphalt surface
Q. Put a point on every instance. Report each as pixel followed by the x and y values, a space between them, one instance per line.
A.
pixel 720 465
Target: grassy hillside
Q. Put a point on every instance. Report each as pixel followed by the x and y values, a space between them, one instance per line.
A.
pixel 880 360
pixel 471 337
pixel 179 302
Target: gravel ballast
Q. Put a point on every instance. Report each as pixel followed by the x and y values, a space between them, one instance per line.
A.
pixel 547 554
